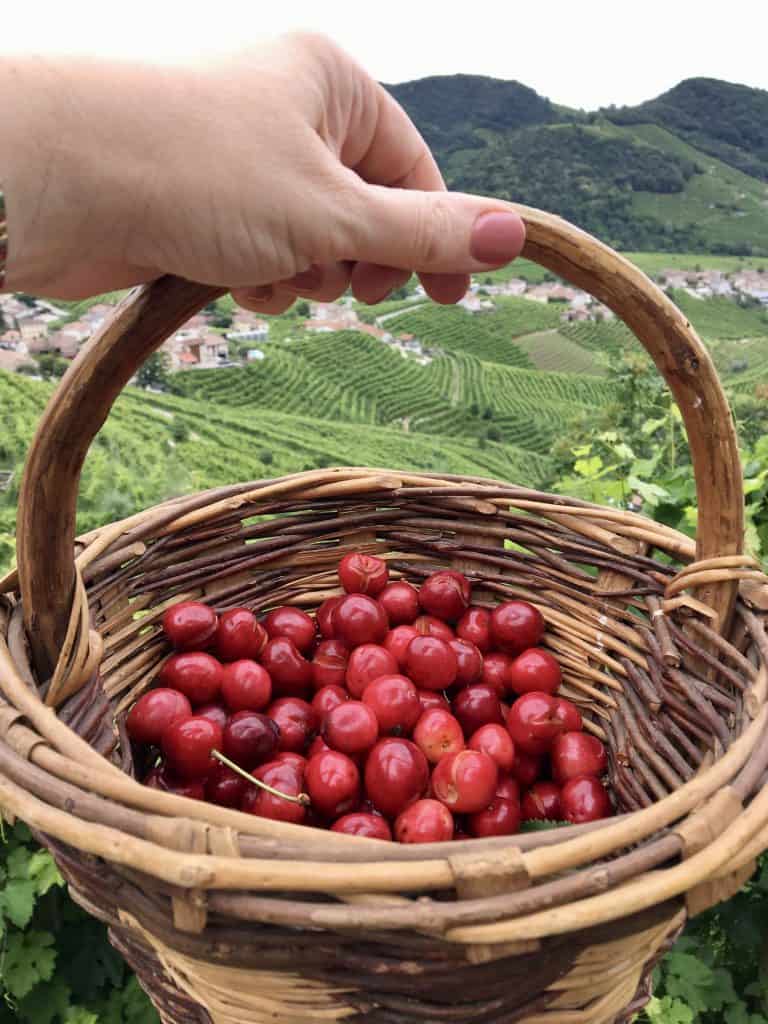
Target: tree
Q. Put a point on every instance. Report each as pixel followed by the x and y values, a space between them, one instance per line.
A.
pixel 3 325
pixel 155 373
pixel 51 365
pixel 302 308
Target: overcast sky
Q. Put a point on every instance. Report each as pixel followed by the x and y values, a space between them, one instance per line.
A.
pixel 584 54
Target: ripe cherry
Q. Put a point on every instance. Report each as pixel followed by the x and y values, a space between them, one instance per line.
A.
pixel 400 601
pixel 426 821
pixel 190 625
pixel 465 782
pixel 363 574
pixel 359 619
pixel 327 698
pixel 292 623
pixel 534 669
pixel 395 702
pixel 240 635
pixel 250 738
pixel 285 778
pixel 507 788
pixel 469 661
pixel 246 686
pixel 352 728
pixel 396 775
pixel 317 746
pixel 445 594
pixel 187 745
pixel 296 720
pixel 475 706
pixel 496 742
pixel 366 663
pixel 324 616
pixel 542 802
pixel 432 699
pixel 290 672
pixel 499 818
pixel 532 723
pixel 154 712
pixel 516 625
pixel 526 767
pixel 333 783
pixel 569 715
pixel 438 733
pixel 495 668
pixel 584 799
pixel 329 664
pixel 397 640
pixel 428 625
pixel 359 823
pixel 577 753
pixel 217 713
pixel 475 626
pixel 291 757
pixel 431 663
pixel 225 787
pixel 195 674
pixel 160 778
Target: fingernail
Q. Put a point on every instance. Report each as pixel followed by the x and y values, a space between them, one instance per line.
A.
pixel 261 294
pixel 307 280
pixel 379 298
pixel 497 237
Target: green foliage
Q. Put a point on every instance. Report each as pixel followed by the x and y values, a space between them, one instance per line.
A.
pixel 51 365
pixel 155 372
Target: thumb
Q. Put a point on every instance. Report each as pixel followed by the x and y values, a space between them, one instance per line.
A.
pixel 433 232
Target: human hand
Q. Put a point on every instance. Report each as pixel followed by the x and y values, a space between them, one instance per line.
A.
pixel 280 171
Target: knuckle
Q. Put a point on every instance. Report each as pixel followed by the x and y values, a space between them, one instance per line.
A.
pixel 432 223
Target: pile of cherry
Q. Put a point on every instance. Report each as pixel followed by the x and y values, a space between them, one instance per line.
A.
pixel 396 713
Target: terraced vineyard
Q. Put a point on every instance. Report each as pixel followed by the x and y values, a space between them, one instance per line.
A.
pixel 608 338
pixel 552 351
pixel 722 318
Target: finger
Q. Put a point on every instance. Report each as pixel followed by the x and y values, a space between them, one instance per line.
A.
pixel 266 299
pixel 446 289
pixel 324 283
pixel 372 283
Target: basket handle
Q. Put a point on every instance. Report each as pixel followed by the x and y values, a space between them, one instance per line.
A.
pixel 152 312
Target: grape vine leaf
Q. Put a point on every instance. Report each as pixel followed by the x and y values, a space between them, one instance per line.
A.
pixel 17 901
pixel 42 868
pixel 46 1003
pixel 668 1011
pixel 29 959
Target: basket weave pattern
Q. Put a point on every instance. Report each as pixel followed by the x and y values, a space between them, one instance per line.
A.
pixel 229 918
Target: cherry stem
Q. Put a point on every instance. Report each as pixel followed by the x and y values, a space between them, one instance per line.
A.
pixel 302 798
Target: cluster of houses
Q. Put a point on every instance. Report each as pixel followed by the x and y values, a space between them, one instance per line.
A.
pixel 29 327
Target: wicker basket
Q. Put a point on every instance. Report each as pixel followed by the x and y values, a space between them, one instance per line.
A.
pixel 229 918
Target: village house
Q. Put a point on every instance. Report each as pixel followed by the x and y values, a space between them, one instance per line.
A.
pixel 193 350
pixel 248 329
pixel 551 291
pixel 33 331
pixel 323 326
pixel 475 304
pixel 11 339
pixel 333 311
pixel 11 361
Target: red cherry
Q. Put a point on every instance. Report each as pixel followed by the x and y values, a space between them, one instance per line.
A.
pixel 438 733
pixel 154 712
pixel 507 788
pixel 495 669
pixel 526 768
pixel 352 727
pixel 225 787
pixel 250 738
pixel 327 698
pixel 516 625
pixel 284 777
pixel 534 669
pixel 292 623
pixel 397 640
pixel 432 699
pixel 496 742
pixel 394 701
pixel 217 713
pixel 246 686
pixel 291 757
pixel 324 616
pixel 465 782
pixel 569 715
pixel 187 745
pixel 396 775
pixel 240 635
pixel 400 601
pixel 426 821
pixel 475 706
pixel 469 661
pixel 445 595
pixel 499 818
pixel 542 802
pixel 190 625
pixel 428 625
pixel 363 574
pixel 329 664
pixel 577 753
pixel 359 619
pixel 366 663
pixel 333 783
pixel 193 673
pixel 475 627
pixel 160 778
pixel 431 663
pixel 290 672
pixel 317 746
pixel 296 720
pixel 373 826
pixel 584 799
pixel 532 723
